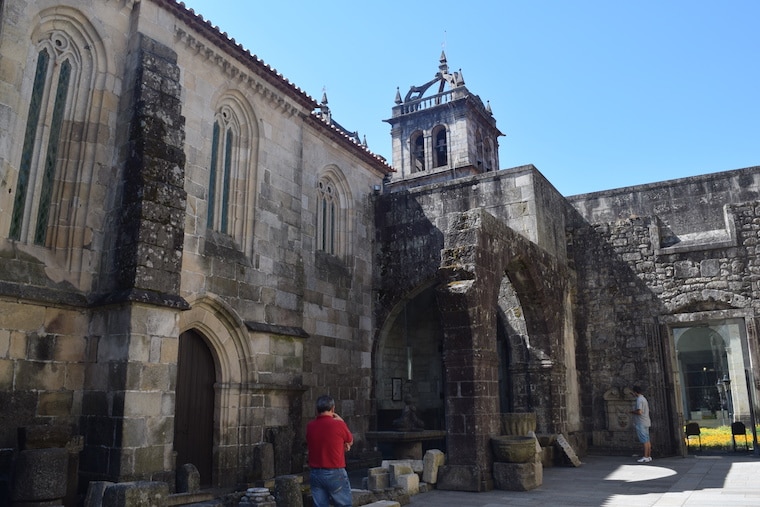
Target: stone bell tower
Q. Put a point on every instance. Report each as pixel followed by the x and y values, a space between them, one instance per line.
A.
pixel 444 135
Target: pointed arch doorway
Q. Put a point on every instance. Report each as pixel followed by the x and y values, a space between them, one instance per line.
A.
pixel 194 405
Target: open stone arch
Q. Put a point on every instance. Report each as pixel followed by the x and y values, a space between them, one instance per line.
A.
pixel 407 359
pixel 479 251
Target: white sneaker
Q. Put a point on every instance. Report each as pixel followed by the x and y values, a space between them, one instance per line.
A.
pixel 644 460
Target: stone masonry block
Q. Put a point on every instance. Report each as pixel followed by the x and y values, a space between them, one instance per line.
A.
pixel 410 483
pixel 517 476
pixel 383 503
pixel 40 475
pixel 397 470
pixel 142 493
pixel 378 478
pixel 431 462
pixel 416 464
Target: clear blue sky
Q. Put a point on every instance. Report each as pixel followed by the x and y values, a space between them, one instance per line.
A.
pixel 596 94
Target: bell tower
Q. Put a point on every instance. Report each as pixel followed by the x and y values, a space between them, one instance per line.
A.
pixel 443 135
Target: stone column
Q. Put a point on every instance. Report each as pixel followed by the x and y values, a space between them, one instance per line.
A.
pixel 467 302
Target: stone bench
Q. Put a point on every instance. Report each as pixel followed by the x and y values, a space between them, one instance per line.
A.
pixel 406 444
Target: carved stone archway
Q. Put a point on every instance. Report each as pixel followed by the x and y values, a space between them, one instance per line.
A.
pixel 479 251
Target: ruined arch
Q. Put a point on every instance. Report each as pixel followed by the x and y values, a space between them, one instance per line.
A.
pixel 479 251
pixel 408 349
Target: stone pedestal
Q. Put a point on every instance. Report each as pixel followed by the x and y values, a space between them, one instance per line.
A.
pixel 257 497
pixel 518 476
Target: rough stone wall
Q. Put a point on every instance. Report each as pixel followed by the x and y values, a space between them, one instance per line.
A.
pixel 410 237
pixel 632 275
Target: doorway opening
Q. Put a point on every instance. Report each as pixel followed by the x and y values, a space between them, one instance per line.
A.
pixel 711 359
pixel 194 405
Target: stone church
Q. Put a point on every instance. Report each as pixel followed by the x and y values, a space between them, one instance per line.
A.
pixel 192 250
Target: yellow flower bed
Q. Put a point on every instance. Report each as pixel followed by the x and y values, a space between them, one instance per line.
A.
pixel 720 438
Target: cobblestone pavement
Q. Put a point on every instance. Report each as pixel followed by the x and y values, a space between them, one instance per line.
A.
pixel 720 480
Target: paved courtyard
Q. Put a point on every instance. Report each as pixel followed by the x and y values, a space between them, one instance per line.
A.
pixel 720 480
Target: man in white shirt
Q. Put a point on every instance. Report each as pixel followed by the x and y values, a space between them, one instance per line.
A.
pixel 641 423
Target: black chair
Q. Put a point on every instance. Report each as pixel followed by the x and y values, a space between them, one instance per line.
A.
pixel 692 430
pixel 738 428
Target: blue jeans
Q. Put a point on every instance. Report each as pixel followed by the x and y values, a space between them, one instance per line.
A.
pixel 330 484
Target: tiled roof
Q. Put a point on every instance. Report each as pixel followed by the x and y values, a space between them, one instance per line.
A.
pixel 253 62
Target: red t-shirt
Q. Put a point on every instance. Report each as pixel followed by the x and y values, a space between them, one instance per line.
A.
pixel 326 438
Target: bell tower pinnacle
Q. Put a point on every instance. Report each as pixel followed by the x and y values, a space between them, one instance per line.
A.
pixel 444 135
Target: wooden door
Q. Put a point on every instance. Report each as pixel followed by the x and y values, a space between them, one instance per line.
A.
pixel 194 408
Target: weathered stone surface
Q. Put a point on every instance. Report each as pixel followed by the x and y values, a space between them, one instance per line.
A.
pixel 518 476
pixel 397 469
pixel 378 478
pixel 40 474
pixel 263 461
pixel 287 490
pixel 433 460
pixel 188 479
pixel 410 483
pixel 460 478
pixel 142 493
pixel 95 492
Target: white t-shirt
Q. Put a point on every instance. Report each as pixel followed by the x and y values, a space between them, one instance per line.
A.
pixel 643 405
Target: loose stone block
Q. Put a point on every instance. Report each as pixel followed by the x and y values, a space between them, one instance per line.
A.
pixel 95 492
pixel 188 479
pixel 142 493
pixel 518 476
pixel 410 483
pixel 431 462
pixel 378 478
pixel 416 464
pixel 397 470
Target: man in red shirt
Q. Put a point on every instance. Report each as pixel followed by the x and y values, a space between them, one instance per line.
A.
pixel 328 438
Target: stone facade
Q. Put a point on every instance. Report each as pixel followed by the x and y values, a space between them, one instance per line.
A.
pixel 191 189
pixel 171 204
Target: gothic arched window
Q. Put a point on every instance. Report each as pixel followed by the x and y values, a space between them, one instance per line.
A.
pixel 327 221
pixel 232 171
pixel 333 213
pixel 47 130
pixel 223 156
